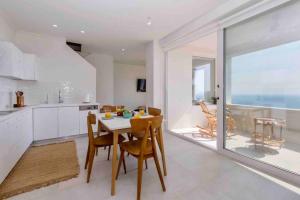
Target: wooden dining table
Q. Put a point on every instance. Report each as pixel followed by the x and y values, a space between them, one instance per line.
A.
pixel 116 125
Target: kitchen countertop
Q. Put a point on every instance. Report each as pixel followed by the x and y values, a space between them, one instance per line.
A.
pixel 55 105
pixel 62 105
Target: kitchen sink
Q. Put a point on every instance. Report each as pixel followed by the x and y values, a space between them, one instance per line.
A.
pixel 7 112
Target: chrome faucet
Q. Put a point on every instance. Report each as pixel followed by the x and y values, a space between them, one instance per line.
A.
pixel 60 99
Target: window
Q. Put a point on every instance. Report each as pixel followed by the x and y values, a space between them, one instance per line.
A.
pixel 262 87
pixel 267 77
pixel 262 60
pixel 203 79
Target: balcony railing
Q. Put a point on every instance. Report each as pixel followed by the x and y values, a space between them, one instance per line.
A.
pixel 244 116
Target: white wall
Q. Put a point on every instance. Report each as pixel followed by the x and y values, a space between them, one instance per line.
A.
pixel 59 68
pixel 7 31
pixel 104 65
pixel 155 74
pixel 181 112
pixel 125 83
pixel 149 72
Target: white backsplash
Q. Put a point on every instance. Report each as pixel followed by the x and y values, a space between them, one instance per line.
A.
pixel 7 89
pixel 35 92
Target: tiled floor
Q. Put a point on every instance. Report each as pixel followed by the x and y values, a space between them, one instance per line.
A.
pixel 192 134
pixel 194 172
pixel 286 157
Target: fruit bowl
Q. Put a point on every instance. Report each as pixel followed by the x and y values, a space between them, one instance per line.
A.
pixel 127 114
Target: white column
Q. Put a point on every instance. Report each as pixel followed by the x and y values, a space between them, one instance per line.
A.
pixel 155 74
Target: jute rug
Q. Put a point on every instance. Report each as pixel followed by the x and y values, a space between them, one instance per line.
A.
pixel 41 166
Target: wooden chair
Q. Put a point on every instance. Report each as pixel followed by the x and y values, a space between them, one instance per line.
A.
pixel 230 122
pixel 211 129
pixel 158 133
pixel 211 117
pixel 156 127
pixel 108 108
pixel 142 148
pixel 141 108
pixel 95 143
pixel 154 111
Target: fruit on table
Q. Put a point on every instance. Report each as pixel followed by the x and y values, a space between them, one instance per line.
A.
pixel 137 116
pixel 142 112
pixel 108 115
pixel 120 112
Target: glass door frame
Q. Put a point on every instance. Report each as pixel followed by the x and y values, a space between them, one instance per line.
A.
pixel 220 26
pixel 256 164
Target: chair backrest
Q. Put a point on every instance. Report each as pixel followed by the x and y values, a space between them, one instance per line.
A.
pixel 154 111
pixel 156 123
pixel 140 128
pixel 110 108
pixel 91 119
pixel 142 108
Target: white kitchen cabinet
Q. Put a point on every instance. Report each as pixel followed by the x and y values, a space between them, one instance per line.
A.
pixel 83 121
pixel 6 143
pixel 16 64
pixel 29 67
pixel 45 123
pixel 11 60
pixel 15 138
pixel 68 121
pixel 26 129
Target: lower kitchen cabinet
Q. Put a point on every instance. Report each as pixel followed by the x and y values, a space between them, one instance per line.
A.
pixel 15 137
pixel 45 123
pixel 68 123
pixel 55 122
pixel 40 123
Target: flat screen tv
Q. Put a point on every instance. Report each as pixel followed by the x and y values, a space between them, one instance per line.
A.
pixel 141 85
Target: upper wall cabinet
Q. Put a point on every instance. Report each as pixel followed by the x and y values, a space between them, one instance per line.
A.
pixel 29 67
pixel 11 59
pixel 15 64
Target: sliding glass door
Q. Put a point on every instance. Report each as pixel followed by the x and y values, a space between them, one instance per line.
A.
pixel 262 87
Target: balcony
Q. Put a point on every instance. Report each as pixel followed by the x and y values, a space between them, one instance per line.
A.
pixel 283 153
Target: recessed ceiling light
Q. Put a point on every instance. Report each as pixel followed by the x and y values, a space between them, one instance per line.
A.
pixel 123 50
pixel 149 22
pixel 55 25
pixel 82 31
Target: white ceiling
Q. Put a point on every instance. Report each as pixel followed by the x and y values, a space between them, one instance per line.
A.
pixel 110 25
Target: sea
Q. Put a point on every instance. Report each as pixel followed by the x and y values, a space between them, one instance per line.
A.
pixel 278 101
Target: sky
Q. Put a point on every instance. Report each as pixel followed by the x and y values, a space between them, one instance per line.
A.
pixel 199 84
pixel 202 80
pixel 272 71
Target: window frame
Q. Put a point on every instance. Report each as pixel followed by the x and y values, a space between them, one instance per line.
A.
pixel 212 62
